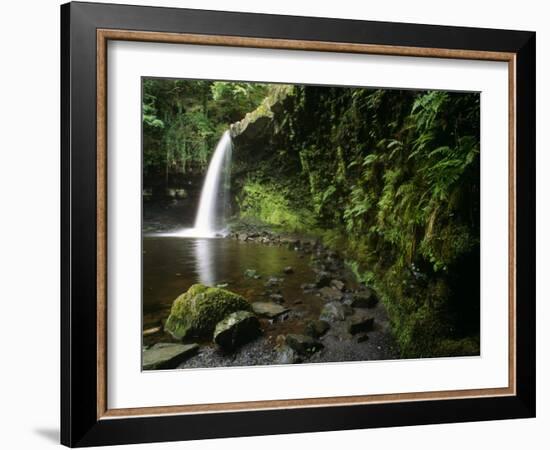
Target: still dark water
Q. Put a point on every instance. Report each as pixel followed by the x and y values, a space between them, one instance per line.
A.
pixel 171 265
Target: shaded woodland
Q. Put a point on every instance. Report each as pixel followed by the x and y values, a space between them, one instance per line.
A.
pixel 388 178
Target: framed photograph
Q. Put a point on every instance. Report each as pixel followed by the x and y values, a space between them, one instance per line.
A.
pixel 277 224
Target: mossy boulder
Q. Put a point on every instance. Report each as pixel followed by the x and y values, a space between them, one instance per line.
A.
pixel 196 312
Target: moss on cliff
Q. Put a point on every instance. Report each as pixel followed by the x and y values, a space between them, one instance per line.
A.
pixel 391 178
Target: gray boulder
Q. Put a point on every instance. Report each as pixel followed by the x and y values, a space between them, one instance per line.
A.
pixel 236 329
pixel 268 309
pixel 251 273
pixel 286 355
pixel 322 279
pixel 331 294
pixel 277 298
pixel 273 282
pixel 361 324
pixel 335 311
pixel 302 344
pixel 365 298
pixel 316 328
pixel 337 284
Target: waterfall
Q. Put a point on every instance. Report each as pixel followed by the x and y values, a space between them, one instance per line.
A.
pixel 211 215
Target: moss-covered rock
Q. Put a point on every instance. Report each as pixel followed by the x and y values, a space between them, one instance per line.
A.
pixel 196 312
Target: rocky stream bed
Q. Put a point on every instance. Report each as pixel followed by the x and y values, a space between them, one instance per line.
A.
pixel 327 318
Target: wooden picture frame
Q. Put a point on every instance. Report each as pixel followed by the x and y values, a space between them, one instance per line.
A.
pixel 86 418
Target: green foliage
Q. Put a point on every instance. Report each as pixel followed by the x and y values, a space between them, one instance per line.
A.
pixel 389 177
pixel 271 204
pixel 183 120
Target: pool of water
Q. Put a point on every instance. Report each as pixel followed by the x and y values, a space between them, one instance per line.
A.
pixel 171 265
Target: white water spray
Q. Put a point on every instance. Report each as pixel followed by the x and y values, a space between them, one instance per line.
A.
pixel 210 218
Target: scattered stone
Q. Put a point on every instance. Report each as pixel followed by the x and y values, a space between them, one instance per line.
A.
pixel 288 270
pixel 286 355
pixel 337 284
pixel 167 356
pixel 307 286
pixel 364 299
pixel 322 279
pixel 268 309
pixel 251 273
pixel 316 328
pixel 277 298
pixel 273 281
pixel 331 294
pixel 332 312
pixel 362 338
pixel 196 312
pixel 151 331
pixel 236 329
pixel 302 344
pixel 361 324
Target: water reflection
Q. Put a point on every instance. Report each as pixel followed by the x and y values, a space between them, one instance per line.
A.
pixel 204 260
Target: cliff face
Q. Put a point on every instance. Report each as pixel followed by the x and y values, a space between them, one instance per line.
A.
pixel 391 179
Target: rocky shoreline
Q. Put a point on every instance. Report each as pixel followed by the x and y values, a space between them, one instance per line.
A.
pixel 352 324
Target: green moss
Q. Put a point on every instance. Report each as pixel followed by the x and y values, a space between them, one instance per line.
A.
pixel 390 179
pixel 271 204
pixel 458 347
pixel 196 312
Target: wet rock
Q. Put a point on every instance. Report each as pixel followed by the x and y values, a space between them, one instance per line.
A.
pixel 277 298
pixel 222 285
pixel 196 312
pixel 251 273
pixel 362 338
pixel 236 329
pixel 337 284
pixel 322 279
pixel 302 344
pixel 151 331
pixel 288 270
pixel 268 309
pixel 286 355
pixel 273 282
pixel 308 286
pixel 316 328
pixel 167 356
pixel 361 324
pixel 297 302
pixel 330 293
pixel 365 298
pixel 335 311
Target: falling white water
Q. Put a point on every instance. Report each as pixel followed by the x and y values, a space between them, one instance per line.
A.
pixel 209 221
